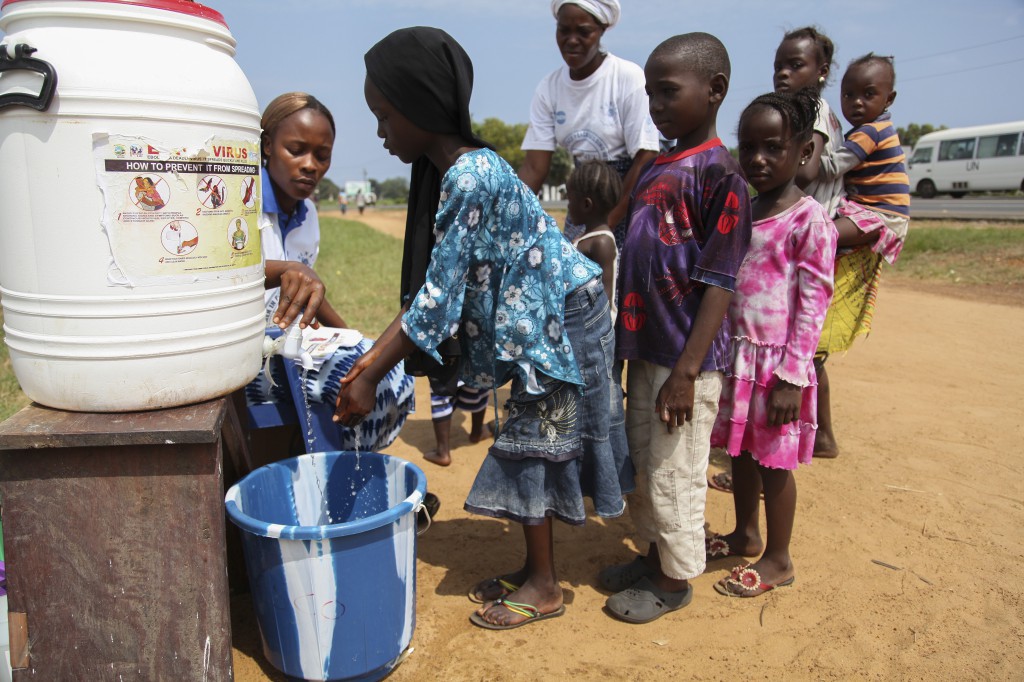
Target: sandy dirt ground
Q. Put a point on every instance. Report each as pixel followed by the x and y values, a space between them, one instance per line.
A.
pixel 930 482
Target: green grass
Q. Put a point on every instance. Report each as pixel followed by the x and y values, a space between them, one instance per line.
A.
pixel 362 270
pixel 983 253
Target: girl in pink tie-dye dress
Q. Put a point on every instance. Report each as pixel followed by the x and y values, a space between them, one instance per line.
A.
pixel 766 417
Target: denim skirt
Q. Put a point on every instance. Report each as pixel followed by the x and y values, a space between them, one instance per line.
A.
pixel 567 442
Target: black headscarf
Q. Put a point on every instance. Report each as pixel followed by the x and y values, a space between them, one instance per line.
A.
pixel 425 74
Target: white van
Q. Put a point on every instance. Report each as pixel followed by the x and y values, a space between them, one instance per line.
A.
pixel 962 160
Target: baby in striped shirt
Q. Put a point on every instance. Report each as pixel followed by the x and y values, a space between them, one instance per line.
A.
pixel 871 160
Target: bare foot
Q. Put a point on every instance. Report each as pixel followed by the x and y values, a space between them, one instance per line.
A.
pixel 543 600
pixel 825 446
pixel 477 436
pixel 733 544
pixel 435 457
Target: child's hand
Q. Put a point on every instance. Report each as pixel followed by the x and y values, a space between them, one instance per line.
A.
pixel 675 400
pixel 357 394
pixel 784 403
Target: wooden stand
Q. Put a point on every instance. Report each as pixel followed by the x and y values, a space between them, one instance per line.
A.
pixel 114 541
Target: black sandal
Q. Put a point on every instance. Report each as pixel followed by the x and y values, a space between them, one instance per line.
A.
pixel 425 515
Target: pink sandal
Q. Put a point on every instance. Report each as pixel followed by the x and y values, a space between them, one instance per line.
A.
pixel 745 582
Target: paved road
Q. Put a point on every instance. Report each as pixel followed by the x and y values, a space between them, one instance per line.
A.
pixel 968 208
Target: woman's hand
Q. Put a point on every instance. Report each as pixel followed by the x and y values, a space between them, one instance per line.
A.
pixel 302 293
pixel 784 403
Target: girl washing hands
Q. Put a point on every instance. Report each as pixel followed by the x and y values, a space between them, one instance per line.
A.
pixel 528 309
pixel 766 417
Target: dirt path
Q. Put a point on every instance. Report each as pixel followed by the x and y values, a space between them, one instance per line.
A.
pixel 930 481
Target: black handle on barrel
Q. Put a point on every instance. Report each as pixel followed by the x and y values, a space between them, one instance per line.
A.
pixel 22 60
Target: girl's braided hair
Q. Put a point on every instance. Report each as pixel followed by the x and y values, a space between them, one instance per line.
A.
pixel 599 181
pixel 799 110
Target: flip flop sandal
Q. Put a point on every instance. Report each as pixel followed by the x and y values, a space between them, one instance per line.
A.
pixel 623 576
pixel 485 585
pixel 715 547
pixel 531 614
pixel 425 515
pixel 644 602
pixel 745 582
pixel 721 481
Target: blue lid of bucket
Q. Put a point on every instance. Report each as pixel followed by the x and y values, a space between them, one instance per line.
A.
pixel 181 6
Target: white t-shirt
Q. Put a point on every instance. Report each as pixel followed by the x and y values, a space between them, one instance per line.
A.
pixel 302 244
pixel 827 188
pixel 604 116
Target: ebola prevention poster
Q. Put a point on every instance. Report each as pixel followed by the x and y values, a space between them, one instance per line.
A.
pixel 176 213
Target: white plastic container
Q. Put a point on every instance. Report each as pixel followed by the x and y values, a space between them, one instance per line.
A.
pixel 130 269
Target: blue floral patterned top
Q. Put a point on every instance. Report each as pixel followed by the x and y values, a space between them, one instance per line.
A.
pixel 500 271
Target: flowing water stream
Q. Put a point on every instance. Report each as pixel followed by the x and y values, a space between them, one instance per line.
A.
pixel 325 509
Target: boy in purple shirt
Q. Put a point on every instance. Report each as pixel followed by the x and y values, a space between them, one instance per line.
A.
pixel 689 230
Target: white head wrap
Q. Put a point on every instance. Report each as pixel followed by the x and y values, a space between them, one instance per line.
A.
pixel 605 11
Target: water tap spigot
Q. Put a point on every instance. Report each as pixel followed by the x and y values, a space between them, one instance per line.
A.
pixel 288 345
pixel 292 347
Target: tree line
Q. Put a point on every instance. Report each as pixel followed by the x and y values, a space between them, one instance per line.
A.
pixel 507 139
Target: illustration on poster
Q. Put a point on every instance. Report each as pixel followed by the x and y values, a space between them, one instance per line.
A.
pixel 248 187
pixel 212 191
pixel 240 235
pixel 197 209
pixel 179 237
pixel 149 194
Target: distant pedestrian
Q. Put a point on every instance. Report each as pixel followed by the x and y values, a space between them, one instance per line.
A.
pixel 360 201
pixel 343 203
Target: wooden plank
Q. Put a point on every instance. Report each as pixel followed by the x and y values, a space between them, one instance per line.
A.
pixel 38 426
pixel 17 631
pixel 115 553
pixel 235 436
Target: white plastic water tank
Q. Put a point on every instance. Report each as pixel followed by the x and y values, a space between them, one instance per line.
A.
pixel 130 268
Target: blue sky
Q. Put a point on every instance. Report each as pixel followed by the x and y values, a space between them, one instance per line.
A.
pixel 958 62
pixel 318 46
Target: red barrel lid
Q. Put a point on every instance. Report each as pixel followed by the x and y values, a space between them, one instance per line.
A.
pixel 181 6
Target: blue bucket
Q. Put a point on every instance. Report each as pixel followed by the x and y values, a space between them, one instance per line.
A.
pixel 330 545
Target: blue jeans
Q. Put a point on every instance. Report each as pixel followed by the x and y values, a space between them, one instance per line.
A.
pixel 566 442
